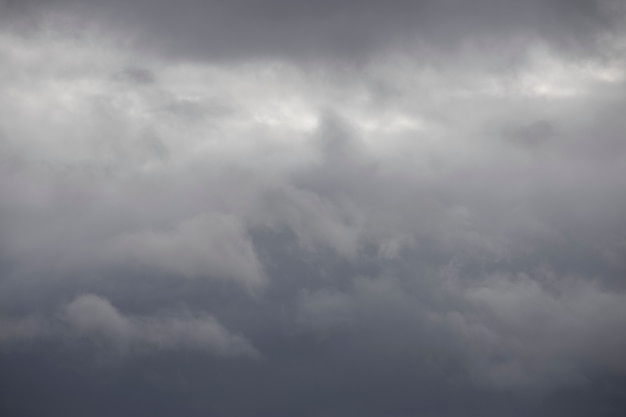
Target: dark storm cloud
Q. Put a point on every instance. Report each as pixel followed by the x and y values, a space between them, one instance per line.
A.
pixel 210 227
pixel 346 30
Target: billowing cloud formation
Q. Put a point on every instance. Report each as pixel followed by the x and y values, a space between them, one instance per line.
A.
pixel 92 316
pixel 416 208
pixel 513 331
pixel 93 319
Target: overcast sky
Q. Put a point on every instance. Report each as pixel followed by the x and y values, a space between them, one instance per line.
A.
pixel 331 208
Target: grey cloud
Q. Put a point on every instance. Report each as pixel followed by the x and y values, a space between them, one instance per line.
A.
pixel 574 320
pixel 19 329
pixel 517 332
pixel 137 75
pixel 94 319
pixel 533 134
pixel 92 316
pixel 304 30
pixel 209 245
pixel 411 238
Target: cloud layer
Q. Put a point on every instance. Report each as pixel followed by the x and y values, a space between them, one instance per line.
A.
pixel 279 208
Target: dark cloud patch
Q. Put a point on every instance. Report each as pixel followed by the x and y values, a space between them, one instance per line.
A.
pixel 534 134
pixel 137 75
pixel 351 30
pixel 193 384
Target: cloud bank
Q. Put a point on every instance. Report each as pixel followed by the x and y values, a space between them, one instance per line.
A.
pixel 323 209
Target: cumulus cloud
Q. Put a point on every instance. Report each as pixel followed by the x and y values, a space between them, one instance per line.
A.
pixel 94 319
pixel 91 314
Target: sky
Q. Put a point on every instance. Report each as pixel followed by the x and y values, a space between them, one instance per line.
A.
pixel 327 208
